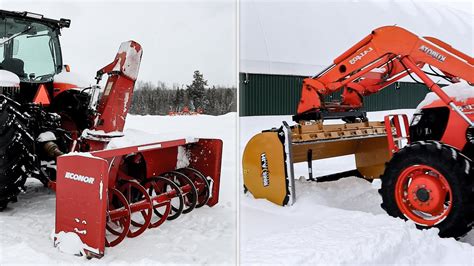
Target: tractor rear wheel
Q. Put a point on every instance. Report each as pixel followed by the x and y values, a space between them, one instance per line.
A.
pixel 16 151
pixel 431 184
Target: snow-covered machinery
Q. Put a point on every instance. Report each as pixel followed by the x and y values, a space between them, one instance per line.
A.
pixel 57 131
pixel 107 195
pixel 425 166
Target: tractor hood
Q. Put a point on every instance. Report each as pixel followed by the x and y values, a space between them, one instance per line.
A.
pixel 9 79
pixel 73 79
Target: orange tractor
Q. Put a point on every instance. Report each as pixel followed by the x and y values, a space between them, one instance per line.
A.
pixel 54 130
pixel 425 166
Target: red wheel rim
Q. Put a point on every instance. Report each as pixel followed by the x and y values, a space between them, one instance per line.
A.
pixel 161 208
pixel 122 223
pixel 423 195
pixel 140 204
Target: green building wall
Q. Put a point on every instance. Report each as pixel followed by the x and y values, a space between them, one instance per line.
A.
pixel 263 94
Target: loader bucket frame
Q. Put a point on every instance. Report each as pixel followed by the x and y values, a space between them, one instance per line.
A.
pixel 269 157
pixel 87 181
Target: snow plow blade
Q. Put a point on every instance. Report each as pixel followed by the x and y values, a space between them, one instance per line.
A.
pixel 264 167
pixel 269 156
pixel 105 196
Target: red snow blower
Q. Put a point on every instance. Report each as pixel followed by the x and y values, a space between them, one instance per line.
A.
pixel 105 196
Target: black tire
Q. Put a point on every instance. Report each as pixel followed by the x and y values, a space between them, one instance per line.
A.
pixel 456 169
pixel 16 151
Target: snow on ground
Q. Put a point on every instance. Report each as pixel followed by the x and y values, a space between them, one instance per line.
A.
pixel 204 236
pixel 338 222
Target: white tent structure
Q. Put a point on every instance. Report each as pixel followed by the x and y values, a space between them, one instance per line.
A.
pixel 301 38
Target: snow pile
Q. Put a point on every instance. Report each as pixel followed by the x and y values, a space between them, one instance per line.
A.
pixel 70 243
pixel 133 57
pixel 182 160
pixel 84 154
pixel 204 236
pixel 335 223
pixel 72 78
pixel 339 223
pixel 459 91
pixel 9 79
pixel 46 136
pixel 100 133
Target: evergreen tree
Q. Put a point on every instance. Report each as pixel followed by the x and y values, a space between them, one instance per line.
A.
pixel 197 90
pixel 178 101
pixel 159 98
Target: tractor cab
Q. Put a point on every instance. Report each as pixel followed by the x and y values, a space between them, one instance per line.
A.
pixel 30 49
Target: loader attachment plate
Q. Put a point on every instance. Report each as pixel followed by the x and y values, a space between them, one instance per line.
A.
pixel 264 168
pixel 269 156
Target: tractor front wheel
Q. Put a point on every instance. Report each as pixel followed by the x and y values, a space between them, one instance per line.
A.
pixel 16 151
pixel 431 184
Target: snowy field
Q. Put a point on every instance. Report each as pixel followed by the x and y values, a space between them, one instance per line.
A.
pixel 338 222
pixel 204 236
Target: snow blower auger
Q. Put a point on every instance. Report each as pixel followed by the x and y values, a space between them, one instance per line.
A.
pixel 106 196
pixel 425 165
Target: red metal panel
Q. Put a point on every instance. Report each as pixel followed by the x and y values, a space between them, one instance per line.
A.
pixel 81 199
pixel 138 148
pixel 159 161
pixel 206 156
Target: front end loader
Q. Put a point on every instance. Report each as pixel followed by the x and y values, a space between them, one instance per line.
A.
pixel 425 166
pixel 55 130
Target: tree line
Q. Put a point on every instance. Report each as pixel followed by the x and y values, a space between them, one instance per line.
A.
pixel 162 99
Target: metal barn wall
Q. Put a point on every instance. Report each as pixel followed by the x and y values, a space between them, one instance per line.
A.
pixel 263 94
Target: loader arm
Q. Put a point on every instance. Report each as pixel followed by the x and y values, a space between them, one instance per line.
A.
pixel 383 57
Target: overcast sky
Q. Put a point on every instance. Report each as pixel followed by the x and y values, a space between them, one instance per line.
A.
pixel 177 37
pixel 302 38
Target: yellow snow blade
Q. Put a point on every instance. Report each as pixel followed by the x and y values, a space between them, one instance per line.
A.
pixel 264 169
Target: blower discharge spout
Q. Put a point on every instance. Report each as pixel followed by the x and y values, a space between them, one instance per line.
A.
pixel 115 102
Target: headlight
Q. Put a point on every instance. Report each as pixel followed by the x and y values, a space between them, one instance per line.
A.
pixel 416 119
